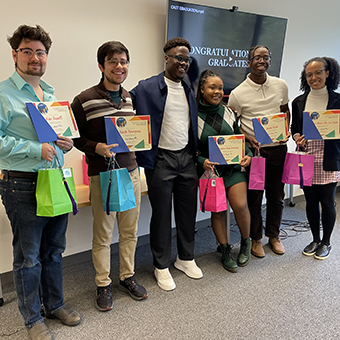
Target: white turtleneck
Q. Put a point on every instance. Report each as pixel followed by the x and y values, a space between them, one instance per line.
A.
pixel 317 100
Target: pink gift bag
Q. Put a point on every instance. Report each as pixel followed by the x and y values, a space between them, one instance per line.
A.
pixel 298 169
pixel 257 172
pixel 85 175
pixel 212 193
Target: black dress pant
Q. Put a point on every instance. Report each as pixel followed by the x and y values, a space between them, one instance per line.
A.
pixel 275 158
pixel 174 178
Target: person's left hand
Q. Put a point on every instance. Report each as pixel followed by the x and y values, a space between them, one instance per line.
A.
pixel 245 161
pixel 64 143
pixel 285 140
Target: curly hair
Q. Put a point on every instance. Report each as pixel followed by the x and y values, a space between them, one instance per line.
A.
pixel 31 33
pixel 174 42
pixel 254 48
pixel 331 65
pixel 201 81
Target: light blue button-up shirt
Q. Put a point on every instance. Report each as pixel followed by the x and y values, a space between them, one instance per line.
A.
pixel 20 149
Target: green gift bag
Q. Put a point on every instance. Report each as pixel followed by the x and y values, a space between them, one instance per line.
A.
pixel 55 192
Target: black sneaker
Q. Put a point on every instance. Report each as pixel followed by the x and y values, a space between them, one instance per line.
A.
pixel 322 253
pixel 103 300
pixel 135 290
pixel 311 249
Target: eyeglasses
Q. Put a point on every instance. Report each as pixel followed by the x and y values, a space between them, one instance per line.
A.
pixel 115 62
pixel 28 52
pixel 181 59
pixel 259 57
pixel 317 73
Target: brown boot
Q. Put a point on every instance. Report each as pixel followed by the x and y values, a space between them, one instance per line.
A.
pixel 39 332
pixel 257 249
pixel 277 246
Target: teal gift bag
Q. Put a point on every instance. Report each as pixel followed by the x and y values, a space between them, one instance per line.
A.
pixel 117 189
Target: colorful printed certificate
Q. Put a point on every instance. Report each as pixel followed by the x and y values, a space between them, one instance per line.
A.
pixel 51 119
pixel 228 149
pixel 321 124
pixel 132 133
pixel 271 128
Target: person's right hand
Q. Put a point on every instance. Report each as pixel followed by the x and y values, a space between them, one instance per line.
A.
pixel 48 151
pixel 207 165
pixel 300 140
pixel 103 149
pixel 254 143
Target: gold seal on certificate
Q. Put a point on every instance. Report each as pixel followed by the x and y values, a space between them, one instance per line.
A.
pixel 271 128
pixel 321 124
pixel 131 133
pixel 226 149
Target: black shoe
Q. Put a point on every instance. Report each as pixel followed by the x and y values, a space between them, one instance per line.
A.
pixel 311 249
pixel 135 290
pixel 227 259
pixel 103 300
pixel 244 254
pixel 322 253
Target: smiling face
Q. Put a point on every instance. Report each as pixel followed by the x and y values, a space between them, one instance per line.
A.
pixel 257 63
pixel 212 91
pixel 114 72
pixel 30 66
pixel 175 70
pixel 316 75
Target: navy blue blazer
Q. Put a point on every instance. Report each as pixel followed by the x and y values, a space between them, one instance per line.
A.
pixel 331 160
pixel 149 98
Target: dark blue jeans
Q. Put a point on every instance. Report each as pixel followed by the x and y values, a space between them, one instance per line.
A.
pixel 38 243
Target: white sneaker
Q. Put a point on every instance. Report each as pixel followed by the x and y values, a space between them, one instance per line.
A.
pixel 189 268
pixel 164 279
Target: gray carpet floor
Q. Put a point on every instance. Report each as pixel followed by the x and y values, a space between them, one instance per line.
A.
pixel 277 297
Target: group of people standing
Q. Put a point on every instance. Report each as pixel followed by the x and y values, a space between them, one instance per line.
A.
pixel 180 127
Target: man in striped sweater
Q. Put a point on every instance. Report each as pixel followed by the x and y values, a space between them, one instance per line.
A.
pixel 109 98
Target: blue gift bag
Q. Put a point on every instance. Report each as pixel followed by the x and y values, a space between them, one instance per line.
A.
pixel 117 189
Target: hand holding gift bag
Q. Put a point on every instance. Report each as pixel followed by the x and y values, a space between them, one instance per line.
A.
pixel 117 189
pixel 55 192
pixel 212 192
pixel 298 168
pixel 257 173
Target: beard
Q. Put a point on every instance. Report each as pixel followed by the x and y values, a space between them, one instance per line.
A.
pixel 36 72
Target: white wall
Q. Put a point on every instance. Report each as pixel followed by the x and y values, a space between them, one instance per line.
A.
pixel 79 27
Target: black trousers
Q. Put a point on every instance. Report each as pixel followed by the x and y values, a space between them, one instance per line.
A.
pixel 174 178
pixel 321 194
pixel 275 158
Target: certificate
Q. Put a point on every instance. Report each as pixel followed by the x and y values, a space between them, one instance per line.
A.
pixel 132 133
pixel 271 128
pixel 321 124
pixel 51 119
pixel 228 149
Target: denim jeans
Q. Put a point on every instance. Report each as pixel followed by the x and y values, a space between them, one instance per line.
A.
pixel 38 243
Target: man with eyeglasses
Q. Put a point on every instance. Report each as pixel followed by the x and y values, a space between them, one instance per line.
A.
pixel 259 95
pixel 38 242
pixel 109 98
pixel 170 164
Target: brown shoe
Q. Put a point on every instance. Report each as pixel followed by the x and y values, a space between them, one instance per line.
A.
pixel 39 332
pixel 67 316
pixel 257 249
pixel 277 246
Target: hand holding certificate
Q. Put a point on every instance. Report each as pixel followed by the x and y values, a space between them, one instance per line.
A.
pixel 51 119
pixel 132 133
pixel 271 128
pixel 228 149
pixel 321 124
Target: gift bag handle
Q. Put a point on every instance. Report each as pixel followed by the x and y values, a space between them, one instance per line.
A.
pixel 74 204
pixel 111 166
pixel 212 170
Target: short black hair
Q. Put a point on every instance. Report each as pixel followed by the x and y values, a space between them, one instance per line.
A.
pixel 31 33
pixel 201 81
pixel 109 49
pixel 331 65
pixel 174 42
pixel 254 48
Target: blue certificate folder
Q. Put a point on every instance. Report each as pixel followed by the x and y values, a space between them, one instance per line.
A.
pixel 261 134
pixel 309 130
pixel 215 154
pixel 113 137
pixel 43 129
